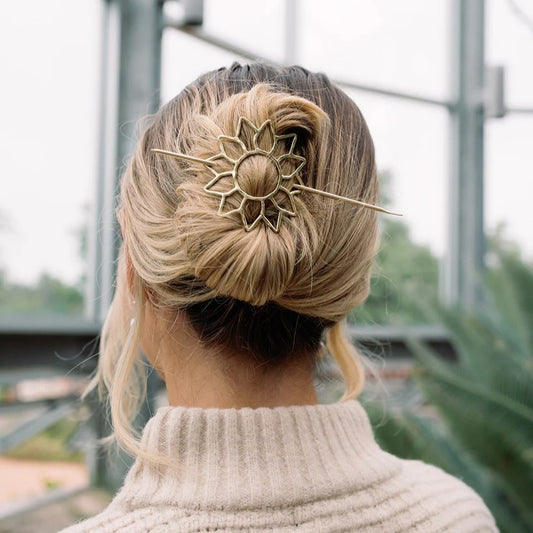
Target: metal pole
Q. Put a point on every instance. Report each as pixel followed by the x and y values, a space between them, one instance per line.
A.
pixel 381 91
pixel 95 274
pixel 519 110
pixel 132 89
pixel 291 32
pixel 466 245
pixel 105 198
pixel 291 57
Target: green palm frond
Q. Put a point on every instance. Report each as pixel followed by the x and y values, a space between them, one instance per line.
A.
pixel 497 430
pixel 484 397
pixel 411 436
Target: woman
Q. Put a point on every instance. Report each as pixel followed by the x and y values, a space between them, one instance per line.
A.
pixel 249 223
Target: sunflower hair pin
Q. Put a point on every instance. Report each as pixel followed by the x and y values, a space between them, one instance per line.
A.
pixel 285 165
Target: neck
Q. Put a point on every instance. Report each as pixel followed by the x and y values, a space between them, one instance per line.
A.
pixel 204 382
pixel 199 375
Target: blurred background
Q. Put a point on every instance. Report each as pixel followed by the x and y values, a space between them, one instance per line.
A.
pixel 447 90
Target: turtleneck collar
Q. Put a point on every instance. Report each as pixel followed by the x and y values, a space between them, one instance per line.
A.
pixel 255 458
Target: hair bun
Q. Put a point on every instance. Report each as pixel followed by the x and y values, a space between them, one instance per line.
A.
pixel 251 252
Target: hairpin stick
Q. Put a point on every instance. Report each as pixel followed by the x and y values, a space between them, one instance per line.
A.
pixel 183 156
pixel 349 200
pixel 284 209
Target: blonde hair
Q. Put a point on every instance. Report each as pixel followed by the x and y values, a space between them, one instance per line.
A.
pixel 183 253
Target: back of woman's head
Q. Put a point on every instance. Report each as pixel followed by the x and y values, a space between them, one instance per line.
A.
pixel 260 283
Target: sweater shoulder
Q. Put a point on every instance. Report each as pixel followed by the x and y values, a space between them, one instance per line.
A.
pixel 107 521
pixel 419 498
pixel 141 520
pixel 442 500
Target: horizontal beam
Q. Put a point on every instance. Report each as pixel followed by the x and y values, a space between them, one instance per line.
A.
pixel 69 350
pixel 62 351
pixel 48 325
pixel 424 332
pixel 395 94
pixel 202 35
pixel 30 428
pixel 518 110
pixel 19 406
pixel 17 508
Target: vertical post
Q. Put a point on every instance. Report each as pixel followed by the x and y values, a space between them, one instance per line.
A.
pixel 131 59
pixel 466 240
pixel 131 88
pixel 100 278
pixel 291 32
pixel 108 64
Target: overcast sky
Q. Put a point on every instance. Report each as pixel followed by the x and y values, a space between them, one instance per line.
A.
pixel 49 54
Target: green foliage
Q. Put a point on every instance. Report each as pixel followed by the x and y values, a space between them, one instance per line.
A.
pixel 405 275
pixel 48 296
pixel 412 436
pixel 484 398
pixel 50 445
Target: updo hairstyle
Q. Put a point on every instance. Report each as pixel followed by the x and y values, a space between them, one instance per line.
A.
pixel 265 295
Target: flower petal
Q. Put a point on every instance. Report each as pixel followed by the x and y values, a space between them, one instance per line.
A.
pixel 290 165
pixel 246 132
pixel 220 164
pixel 221 184
pixel 251 213
pixel 231 147
pixel 265 137
pixel 274 226
pixel 229 201
pixel 284 145
pixel 283 200
pixel 273 215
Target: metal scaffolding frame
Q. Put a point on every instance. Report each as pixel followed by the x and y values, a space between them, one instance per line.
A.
pixel 131 89
pixel 466 233
pixel 473 97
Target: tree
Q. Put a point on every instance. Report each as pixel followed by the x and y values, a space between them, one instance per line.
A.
pixel 406 274
pixel 49 294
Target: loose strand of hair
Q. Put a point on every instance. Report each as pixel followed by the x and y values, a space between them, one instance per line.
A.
pixel 348 360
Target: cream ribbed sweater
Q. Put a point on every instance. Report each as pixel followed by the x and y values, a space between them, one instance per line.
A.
pixel 306 468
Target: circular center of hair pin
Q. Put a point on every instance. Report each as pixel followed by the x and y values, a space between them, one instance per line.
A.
pixel 258 176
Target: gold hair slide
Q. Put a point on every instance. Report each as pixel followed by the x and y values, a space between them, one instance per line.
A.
pixel 286 166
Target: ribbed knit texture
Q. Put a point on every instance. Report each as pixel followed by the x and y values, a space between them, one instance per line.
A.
pixel 306 468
